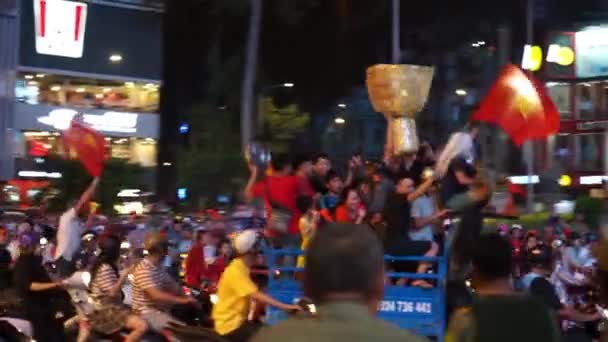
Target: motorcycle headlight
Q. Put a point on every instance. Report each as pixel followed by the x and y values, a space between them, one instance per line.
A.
pixel 43 241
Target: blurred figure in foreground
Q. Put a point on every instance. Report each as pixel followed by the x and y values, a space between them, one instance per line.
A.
pixel 344 276
pixel 498 303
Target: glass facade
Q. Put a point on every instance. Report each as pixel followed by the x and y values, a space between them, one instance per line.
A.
pixel 76 92
pixel 576 148
pixel 141 151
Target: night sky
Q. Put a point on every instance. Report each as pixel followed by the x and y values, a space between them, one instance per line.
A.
pixel 327 48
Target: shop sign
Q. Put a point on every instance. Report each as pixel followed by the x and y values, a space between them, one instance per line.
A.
pixel 592 125
pixel 60 27
pixel 576 127
pixel 107 122
pixel 592 52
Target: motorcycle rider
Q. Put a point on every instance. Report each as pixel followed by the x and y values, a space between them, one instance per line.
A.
pixel 109 315
pixel 236 289
pixel 37 291
pixel 154 291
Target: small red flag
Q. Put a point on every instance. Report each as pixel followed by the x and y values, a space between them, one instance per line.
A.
pixel 38 149
pixel 87 144
pixel 519 104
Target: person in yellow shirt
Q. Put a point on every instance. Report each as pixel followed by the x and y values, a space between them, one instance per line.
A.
pixel 236 290
pixel 308 224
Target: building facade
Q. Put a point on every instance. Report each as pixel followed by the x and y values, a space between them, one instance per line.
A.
pixel 576 77
pixel 58 58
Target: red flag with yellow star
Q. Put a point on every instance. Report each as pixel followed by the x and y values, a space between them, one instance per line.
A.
pixel 86 144
pixel 519 104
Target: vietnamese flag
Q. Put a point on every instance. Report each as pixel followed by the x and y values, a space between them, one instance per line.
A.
pixel 519 104
pixel 87 145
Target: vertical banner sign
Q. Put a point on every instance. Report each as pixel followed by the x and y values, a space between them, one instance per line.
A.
pixel 60 27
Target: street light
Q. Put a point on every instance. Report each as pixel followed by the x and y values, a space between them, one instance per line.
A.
pixel 115 58
pixel 342 105
pixel 288 85
pixel 461 92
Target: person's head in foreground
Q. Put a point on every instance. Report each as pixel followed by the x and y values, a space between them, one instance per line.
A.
pixel 492 262
pixel 345 262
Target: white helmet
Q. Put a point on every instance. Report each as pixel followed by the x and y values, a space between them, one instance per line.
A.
pixel 245 241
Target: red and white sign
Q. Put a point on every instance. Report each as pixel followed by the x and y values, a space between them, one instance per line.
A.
pixel 60 27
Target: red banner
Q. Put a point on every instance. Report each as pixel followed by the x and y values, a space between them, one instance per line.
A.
pixel 518 104
pixel 87 145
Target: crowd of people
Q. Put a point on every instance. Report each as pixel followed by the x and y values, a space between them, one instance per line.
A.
pixel 345 222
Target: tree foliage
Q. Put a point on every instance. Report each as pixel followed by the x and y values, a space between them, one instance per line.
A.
pixel 282 125
pixel 212 163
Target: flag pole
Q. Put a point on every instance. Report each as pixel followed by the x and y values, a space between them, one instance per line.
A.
pixel 396 26
pixel 529 145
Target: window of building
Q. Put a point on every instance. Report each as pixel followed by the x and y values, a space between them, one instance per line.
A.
pixel 140 151
pixel 585 101
pixel 77 92
pixel 560 93
pixel 591 157
pixel 603 99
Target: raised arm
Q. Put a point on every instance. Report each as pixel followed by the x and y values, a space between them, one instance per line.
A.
pixel 86 195
pixel 253 176
pixel 421 189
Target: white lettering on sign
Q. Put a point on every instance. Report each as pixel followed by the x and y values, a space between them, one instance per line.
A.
pixel 405 307
pixel 583 126
pixel 107 122
pixel 60 27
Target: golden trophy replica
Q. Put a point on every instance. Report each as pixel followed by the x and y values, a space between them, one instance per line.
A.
pixel 399 92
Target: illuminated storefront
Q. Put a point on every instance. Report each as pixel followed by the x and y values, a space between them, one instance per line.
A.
pixel 580 91
pixel 68 60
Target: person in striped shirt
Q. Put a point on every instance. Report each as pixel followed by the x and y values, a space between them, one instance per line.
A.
pixel 154 292
pixel 110 315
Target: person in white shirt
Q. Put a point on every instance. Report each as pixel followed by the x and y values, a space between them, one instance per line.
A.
pixel 69 232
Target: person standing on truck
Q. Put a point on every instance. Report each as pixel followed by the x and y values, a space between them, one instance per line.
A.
pixel 344 277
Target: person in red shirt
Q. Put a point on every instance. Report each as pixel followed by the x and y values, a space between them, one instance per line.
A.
pixel 195 262
pixel 279 190
pixel 200 267
pixel 351 210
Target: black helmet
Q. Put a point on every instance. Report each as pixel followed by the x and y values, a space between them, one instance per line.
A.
pixel 541 257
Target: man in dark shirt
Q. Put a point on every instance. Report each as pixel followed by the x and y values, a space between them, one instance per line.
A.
pixel 320 168
pixel 344 276
pixel 498 308
pixel 39 294
pixel 397 213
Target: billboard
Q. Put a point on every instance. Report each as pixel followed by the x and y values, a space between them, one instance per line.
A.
pixel 103 31
pixel 592 52
pixel 60 27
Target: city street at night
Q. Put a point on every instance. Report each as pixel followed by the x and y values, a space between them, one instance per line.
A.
pixel 303 170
